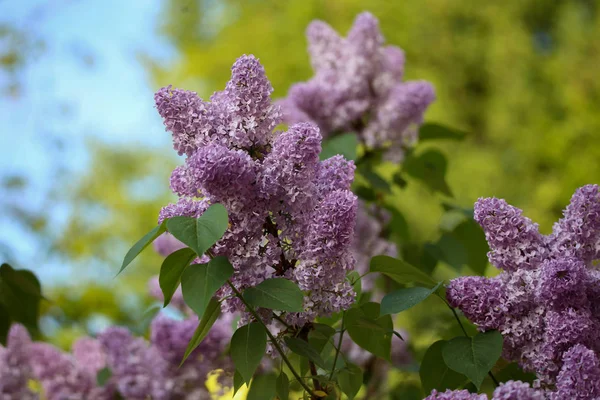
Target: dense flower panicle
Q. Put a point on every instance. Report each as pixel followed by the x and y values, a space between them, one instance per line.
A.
pixel 480 299
pixel 545 301
pixel 578 232
pixel 290 214
pixel 578 378
pixel 514 240
pixel 517 390
pixel 15 370
pixel 358 78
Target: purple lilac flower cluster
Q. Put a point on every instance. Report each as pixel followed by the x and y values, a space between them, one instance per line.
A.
pixel 511 390
pixel 290 214
pixel 546 300
pixel 358 87
pixel 138 369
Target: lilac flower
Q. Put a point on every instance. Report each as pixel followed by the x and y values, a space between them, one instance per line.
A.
pixel 545 301
pixel 15 370
pixel 290 215
pixel 578 378
pixel 358 78
pixel 517 390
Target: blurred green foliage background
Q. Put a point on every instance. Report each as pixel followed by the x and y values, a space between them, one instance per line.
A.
pixel 521 77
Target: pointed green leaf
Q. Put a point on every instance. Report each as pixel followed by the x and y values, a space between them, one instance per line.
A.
pixel 171 270
pixel 200 233
pixel 276 294
pixel 200 282
pixel 370 331
pixel 473 357
pixel 238 381
pixel 320 335
pixel 208 319
pixel 248 346
pixel 434 372
pixel 400 271
pixel 141 244
pixel 103 376
pixel 344 144
pixel 304 349
pixel 263 387
pixel 405 298
pixel 430 168
pixel 282 386
pixel 350 380
pixel 432 131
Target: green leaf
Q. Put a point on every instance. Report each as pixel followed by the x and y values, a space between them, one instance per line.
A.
pixel 375 180
pixel 431 131
pixel 400 271
pixel 171 270
pixel 276 294
pixel 403 299
pixel 434 372
pixel 369 331
pixel 141 244
pixel 430 168
pixel 282 386
pixel 20 294
pixel 350 380
pixel 354 279
pixel 208 319
pixel 146 319
pixel 513 372
pixel 470 234
pixel 103 376
pixel 320 335
pixel 452 251
pixel 473 357
pixel 248 346
pixel 200 282
pixel 4 324
pixel 344 144
pixel 263 387
pixel 202 232
pixel 304 349
pixel 238 381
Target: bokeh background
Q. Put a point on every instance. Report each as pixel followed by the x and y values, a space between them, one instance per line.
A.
pixel 85 160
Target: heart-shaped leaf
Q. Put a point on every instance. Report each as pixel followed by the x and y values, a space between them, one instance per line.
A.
pixel 369 331
pixel 434 372
pixel 171 270
pixel 350 380
pixel 248 346
pixel 200 282
pixel 208 319
pixel 400 271
pixel 405 298
pixel 276 294
pixel 200 233
pixel 141 244
pixel 473 357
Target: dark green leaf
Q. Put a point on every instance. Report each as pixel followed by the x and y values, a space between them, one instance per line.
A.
pixel 202 232
pixel 431 131
pixel 473 357
pixel 513 372
pixel 200 282
pixel 344 144
pixel 470 234
pixel 350 380
pixel 434 372
pixel 171 270
pixel 331 320
pixel 452 251
pixel 403 299
pixel 304 349
pixel 262 387
pixel 276 294
pixel 4 324
pixel 400 271
pixel 20 294
pixel 365 193
pixel 248 346
pixel 430 168
pixel 282 386
pixel 103 376
pixel 238 381
pixel 369 331
pixel 320 335
pixel 141 244
pixel 208 319
pixel 375 180
pixel 399 180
